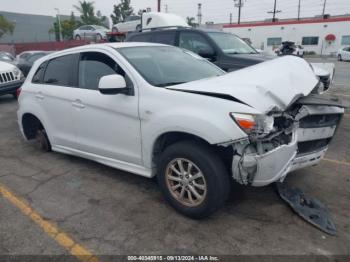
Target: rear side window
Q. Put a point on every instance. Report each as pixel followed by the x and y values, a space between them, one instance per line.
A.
pixel 38 76
pixel 140 38
pixel 167 38
pixel 93 66
pixel 60 71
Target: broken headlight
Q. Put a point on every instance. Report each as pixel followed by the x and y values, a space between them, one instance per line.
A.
pixel 254 124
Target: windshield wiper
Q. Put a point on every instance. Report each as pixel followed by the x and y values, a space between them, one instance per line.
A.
pixel 169 84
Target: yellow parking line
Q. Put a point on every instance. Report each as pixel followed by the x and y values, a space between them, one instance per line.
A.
pixel 50 229
pixel 337 161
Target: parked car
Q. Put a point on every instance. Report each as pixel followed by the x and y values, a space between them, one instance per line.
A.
pixel 226 50
pixel 164 111
pixel 25 54
pixel 95 32
pixel 25 64
pixel 290 48
pixel 130 24
pixel 344 54
pixel 11 79
pixel 6 57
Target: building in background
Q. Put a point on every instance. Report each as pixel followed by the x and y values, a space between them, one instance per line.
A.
pixel 322 36
pixel 29 28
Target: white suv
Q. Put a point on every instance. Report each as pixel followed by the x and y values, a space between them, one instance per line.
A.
pixel 157 110
pixel 11 78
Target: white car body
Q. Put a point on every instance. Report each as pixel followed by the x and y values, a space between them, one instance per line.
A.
pixel 130 24
pixel 122 130
pixel 344 54
pixel 93 32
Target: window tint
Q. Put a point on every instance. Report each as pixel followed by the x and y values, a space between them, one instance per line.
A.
pixel 140 38
pixel 310 40
pixel 38 76
pixel 193 42
pixel 167 38
pixel 59 71
pixel 274 41
pixel 93 66
pixel 345 40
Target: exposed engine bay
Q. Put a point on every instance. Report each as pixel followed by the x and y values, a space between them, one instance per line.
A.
pixel 285 141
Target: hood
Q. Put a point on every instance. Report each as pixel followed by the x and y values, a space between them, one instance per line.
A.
pixel 274 84
pixel 6 66
pixel 252 59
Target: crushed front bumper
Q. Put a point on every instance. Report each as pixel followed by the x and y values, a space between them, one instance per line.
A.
pixel 309 143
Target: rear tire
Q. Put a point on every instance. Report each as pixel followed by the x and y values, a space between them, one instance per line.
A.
pixel 205 182
pixel 43 140
pixel 98 37
pixel 77 37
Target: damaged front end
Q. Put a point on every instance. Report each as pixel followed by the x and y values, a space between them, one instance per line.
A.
pixel 281 142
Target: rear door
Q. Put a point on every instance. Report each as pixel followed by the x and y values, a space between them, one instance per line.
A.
pixel 106 125
pixel 55 82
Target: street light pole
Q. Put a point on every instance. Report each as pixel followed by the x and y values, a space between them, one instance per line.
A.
pixel 59 24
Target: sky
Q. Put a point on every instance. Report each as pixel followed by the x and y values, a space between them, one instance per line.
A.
pixel 217 11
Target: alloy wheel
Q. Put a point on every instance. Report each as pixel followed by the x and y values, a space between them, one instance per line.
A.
pixel 186 182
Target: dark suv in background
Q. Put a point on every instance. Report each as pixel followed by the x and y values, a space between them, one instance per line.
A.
pixel 226 50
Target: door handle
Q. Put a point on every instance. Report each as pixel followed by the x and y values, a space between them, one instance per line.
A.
pixel 78 104
pixel 39 96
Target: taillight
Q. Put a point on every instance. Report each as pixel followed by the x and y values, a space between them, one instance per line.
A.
pixel 18 92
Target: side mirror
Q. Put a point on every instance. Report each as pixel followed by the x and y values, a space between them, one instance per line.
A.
pixel 113 84
pixel 208 53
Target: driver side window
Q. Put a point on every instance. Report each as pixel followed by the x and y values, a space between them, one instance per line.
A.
pixel 193 42
pixel 93 66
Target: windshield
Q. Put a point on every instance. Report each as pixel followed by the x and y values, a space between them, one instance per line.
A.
pixel 35 57
pixel 164 65
pixel 231 44
pixel 100 27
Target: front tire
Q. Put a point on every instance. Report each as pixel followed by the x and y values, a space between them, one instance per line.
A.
pixel 138 28
pixel 77 37
pixel 193 179
pixel 340 58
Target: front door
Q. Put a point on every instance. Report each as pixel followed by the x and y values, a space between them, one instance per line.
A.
pixel 106 125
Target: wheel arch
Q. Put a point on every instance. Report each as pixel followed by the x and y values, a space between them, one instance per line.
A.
pixel 30 124
pixel 166 139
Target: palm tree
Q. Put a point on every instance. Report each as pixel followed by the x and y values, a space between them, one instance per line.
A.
pixel 87 12
pixel 6 26
pixel 191 21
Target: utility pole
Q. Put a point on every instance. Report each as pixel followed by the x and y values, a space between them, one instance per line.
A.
pixel 324 8
pixel 159 5
pixel 239 4
pixel 199 14
pixel 230 18
pixel 274 12
pixel 299 10
pixel 166 8
pixel 59 24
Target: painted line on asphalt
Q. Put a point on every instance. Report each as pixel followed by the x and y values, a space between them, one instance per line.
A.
pixel 63 239
pixel 337 94
pixel 337 161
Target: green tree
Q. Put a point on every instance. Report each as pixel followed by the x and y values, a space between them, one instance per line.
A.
pixel 87 13
pixel 121 11
pixel 6 26
pixel 67 27
pixel 191 21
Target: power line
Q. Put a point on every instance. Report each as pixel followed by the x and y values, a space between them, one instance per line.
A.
pixel 324 8
pixel 274 11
